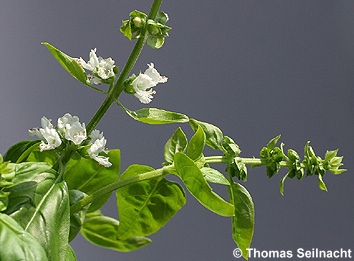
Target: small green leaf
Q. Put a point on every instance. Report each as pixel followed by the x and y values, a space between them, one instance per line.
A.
pixel 195 182
pixel 17 244
pixel 155 116
pixel 243 220
pixel 87 176
pixel 77 218
pixel 70 64
pixel 177 143
pixel 155 42
pixel 231 147
pixel 146 206
pixel 321 184
pixel 214 136
pixel 196 145
pixel 161 18
pixel 272 142
pixel 214 176
pixel 15 152
pixel 102 231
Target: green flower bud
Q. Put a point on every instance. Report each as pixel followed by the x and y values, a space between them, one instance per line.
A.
pixel 137 22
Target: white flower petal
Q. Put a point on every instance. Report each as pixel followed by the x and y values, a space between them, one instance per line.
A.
pixel 154 74
pixel 66 119
pixel 75 132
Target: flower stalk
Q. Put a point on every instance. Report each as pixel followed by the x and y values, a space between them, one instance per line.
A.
pixel 117 89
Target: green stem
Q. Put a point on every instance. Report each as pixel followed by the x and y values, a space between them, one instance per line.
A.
pixel 119 86
pixel 119 184
pixel 250 161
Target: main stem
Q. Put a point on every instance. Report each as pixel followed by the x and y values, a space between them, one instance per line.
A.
pixel 119 86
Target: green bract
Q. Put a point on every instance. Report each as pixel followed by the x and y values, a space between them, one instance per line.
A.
pixel 134 25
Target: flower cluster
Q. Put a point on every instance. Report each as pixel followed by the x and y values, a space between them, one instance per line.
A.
pixel 143 83
pixel 102 69
pixel 70 129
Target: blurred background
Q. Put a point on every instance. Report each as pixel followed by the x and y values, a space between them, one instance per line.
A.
pixel 256 69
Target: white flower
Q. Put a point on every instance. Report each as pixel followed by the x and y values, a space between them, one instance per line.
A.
pixel 48 133
pixel 95 135
pixel 76 132
pixel 154 74
pixel 44 123
pixel 51 136
pixel 66 119
pixel 103 161
pixel 143 83
pixel 99 66
pixel 98 145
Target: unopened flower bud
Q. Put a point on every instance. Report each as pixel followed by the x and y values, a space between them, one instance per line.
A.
pixel 137 21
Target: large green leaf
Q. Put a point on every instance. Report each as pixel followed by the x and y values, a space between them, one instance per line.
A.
pixel 70 64
pixel 214 136
pixel 243 221
pixel 87 176
pixel 177 143
pixel 16 151
pixel 17 244
pixel 195 182
pixel 102 231
pixel 48 156
pixel 156 116
pixel 146 206
pixel 41 207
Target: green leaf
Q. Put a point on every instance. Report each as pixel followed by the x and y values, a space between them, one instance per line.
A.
pixel 231 147
pixel 15 152
pixel 126 29
pixel 196 145
pixel 102 231
pixel 48 156
pixel 77 218
pixel 41 207
pixel 238 168
pixel 17 244
pixel 155 42
pixel 321 184
pixel 214 176
pixel 161 18
pixel 146 206
pixel 243 220
pixel 155 116
pixel 70 64
pixel 214 136
pixel 272 142
pixel 177 143
pixel 194 180
pixel 70 254
pixel 87 176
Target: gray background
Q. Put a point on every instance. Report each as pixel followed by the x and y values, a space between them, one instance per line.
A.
pixel 256 69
